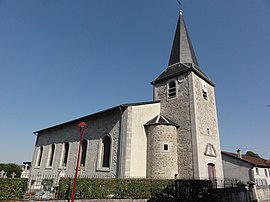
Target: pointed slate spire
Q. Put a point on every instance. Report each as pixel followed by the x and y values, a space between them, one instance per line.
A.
pixel 182 50
pixel 183 58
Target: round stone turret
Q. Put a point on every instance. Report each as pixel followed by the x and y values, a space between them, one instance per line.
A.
pixel 161 148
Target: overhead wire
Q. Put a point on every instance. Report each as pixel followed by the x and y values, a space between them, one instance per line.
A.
pixel 246 147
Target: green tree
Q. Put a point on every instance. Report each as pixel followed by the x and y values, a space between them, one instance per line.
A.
pixel 10 168
pixel 251 153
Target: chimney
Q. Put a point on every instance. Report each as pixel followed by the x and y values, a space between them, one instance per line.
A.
pixel 239 155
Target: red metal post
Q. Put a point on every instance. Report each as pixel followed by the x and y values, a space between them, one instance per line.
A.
pixel 81 128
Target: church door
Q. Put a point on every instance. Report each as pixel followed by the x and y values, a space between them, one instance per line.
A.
pixel 211 171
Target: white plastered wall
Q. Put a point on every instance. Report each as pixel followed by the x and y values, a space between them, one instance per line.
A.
pixel 140 115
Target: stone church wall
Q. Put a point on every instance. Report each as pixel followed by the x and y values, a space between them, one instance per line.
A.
pixel 100 125
pixel 178 110
pixel 206 128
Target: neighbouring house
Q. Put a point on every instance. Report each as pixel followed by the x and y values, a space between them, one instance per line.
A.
pixel 175 135
pixel 246 168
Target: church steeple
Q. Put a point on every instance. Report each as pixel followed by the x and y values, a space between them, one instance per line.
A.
pixel 187 99
pixel 182 50
pixel 182 58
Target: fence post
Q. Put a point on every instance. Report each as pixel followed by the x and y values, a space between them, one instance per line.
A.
pixel 252 191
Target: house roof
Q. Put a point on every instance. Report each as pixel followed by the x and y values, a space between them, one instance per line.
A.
pixel 161 120
pixel 253 160
pixel 121 107
pixel 183 58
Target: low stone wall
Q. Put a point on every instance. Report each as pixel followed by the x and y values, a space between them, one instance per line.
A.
pixel 263 193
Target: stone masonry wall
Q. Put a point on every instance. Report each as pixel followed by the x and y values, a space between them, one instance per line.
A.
pixel 206 128
pixel 161 163
pixel 178 110
pixel 107 123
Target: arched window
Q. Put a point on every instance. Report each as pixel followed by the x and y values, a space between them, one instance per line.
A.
pixel 39 156
pixel 171 90
pixel 204 90
pixel 51 154
pixel 65 154
pixel 83 154
pixel 211 171
pixel 106 151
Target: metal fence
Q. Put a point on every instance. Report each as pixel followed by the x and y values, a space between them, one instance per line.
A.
pixel 45 187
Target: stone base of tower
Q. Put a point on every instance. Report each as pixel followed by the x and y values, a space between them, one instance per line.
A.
pixel 162 151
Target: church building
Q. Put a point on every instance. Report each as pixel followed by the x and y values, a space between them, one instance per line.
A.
pixel 174 136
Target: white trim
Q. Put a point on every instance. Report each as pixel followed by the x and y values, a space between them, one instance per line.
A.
pixel 209 149
pixel 157 120
pixel 165 119
pixel 100 154
pixel 39 156
pixel 162 147
pixel 49 156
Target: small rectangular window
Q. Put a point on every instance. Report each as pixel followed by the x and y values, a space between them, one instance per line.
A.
pixel 165 147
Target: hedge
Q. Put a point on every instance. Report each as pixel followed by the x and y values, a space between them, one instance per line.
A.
pixel 100 188
pixel 113 188
pixel 12 189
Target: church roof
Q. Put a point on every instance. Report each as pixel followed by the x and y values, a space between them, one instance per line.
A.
pixel 183 58
pixel 121 107
pixel 182 49
pixel 161 120
pixel 179 69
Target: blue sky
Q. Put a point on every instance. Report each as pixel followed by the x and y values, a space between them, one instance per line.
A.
pixel 60 60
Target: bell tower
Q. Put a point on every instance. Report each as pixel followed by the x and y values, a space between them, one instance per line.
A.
pixel 187 98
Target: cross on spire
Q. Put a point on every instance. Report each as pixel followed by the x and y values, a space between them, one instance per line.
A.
pixel 180 5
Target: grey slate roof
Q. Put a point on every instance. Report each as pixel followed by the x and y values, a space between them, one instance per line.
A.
pixel 180 69
pixel 121 107
pixel 182 49
pixel 183 58
pixel 161 120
